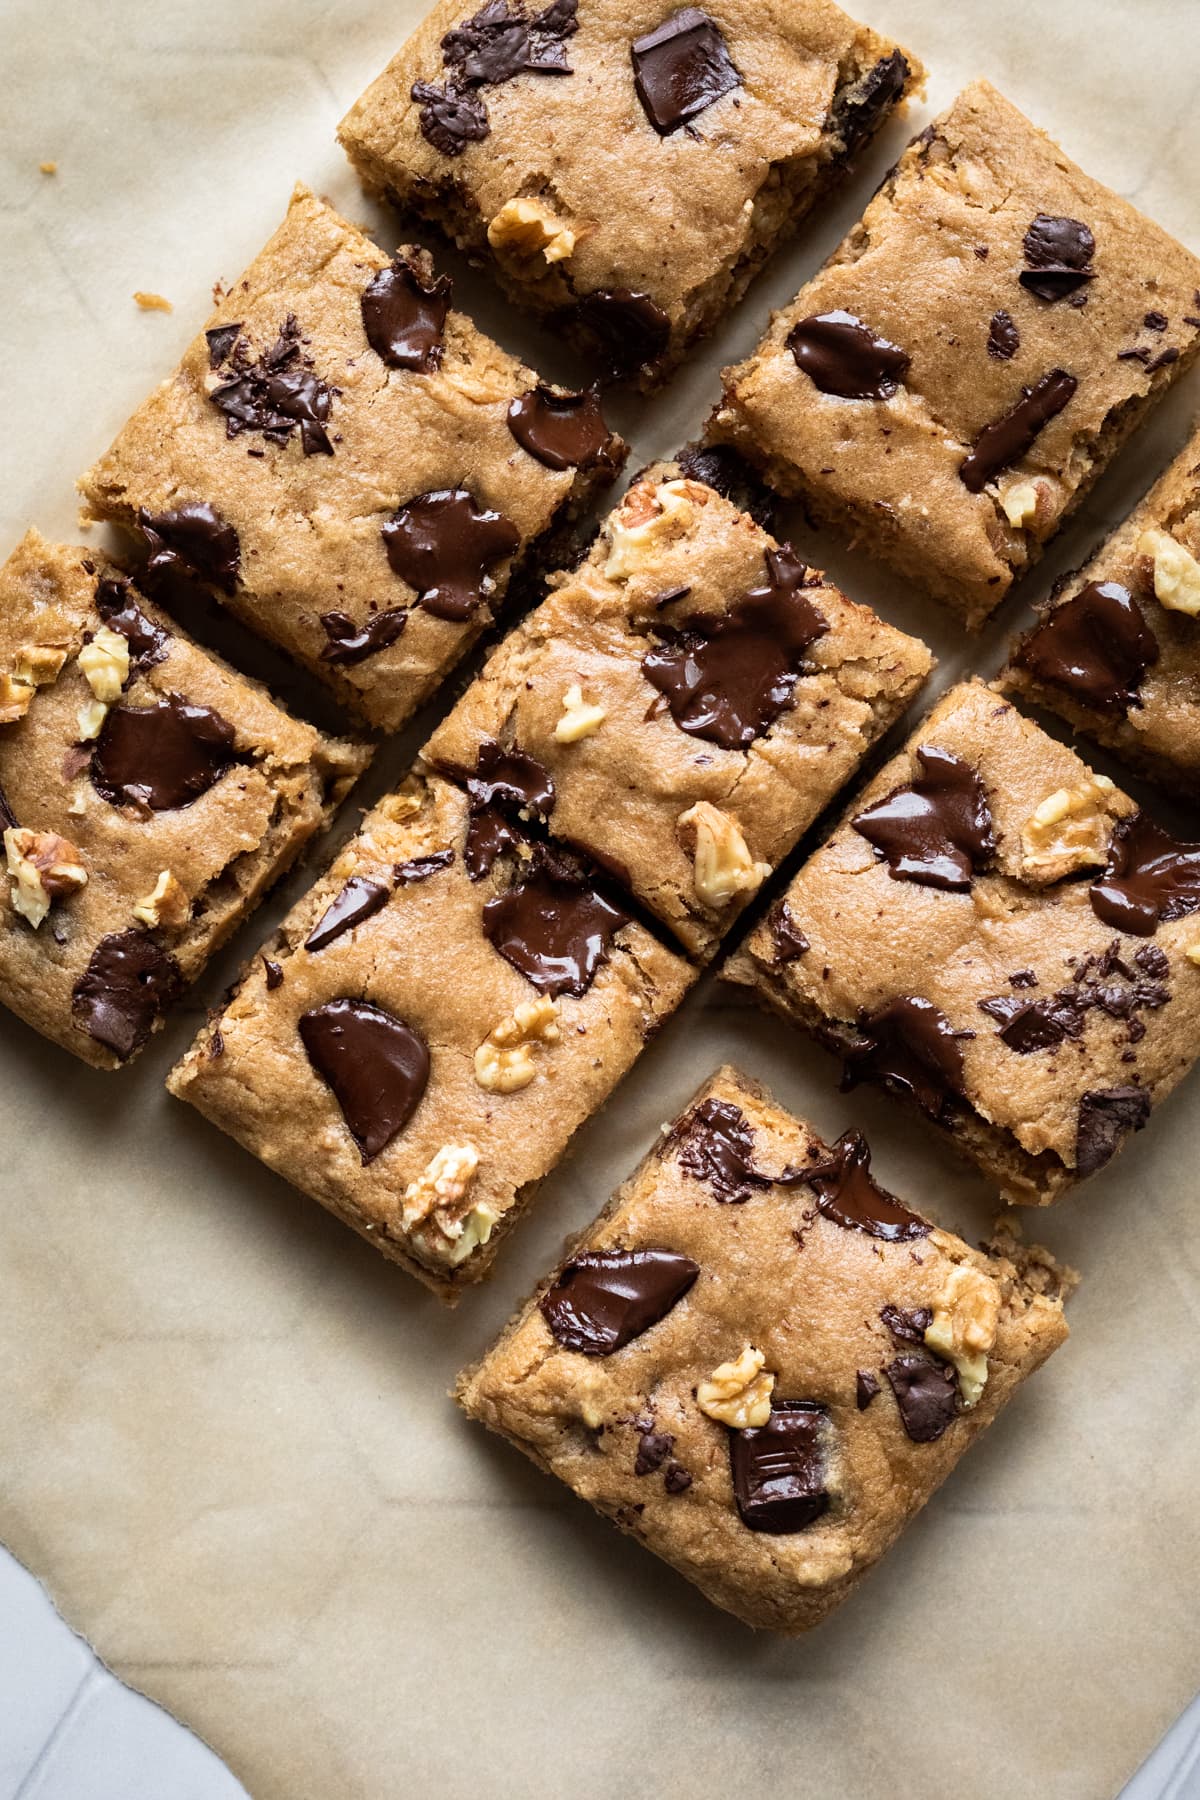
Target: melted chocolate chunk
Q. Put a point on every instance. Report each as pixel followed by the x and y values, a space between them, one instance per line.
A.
pixel 276 394
pixel 274 974
pixel 554 929
pixel 404 317
pixel 926 1395
pixel 859 110
pixel 376 1066
pixel 728 473
pixel 351 643
pixel 1107 1116
pixel 148 642
pixel 129 982
pixel 789 941
pixel 1004 340
pixel 421 867
pixel 444 545
pixel 778 1468
pixel 653 1449
pixel 1029 1025
pixel 161 756
pixel 192 540
pixel 450 117
pixel 842 356
pixel 221 340
pixel 716 1145
pixel 624 330
pixel 1017 430
pixel 866 1386
pixel 1096 646
pixel 681 69
pixel 501 42
pixel 907 1325
pixel 910 1048
pixel 1058 253
pixel 727 676
pixel 561 431
pixel 1151 876
pixel 1156 321
pixel 848 1194
pixel 360 899
pixel 510 778
pixel 938 830
pixel 606 1298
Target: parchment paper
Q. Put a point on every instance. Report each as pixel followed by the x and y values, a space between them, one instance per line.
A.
pixel 226 1442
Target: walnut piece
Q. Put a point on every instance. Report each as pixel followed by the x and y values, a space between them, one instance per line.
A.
pixel 42 867
pixel 646 518
pixel 1021 500
pixel 1176 572
pixel 34 668
pixel 527 227
pixel 105 662
pixel 1070 829
pixel 442 1186
pixel 738 1393
pixel 504 1062
pixel 579 720
pixel 722 863
pixel 963 1328
pixel 166 903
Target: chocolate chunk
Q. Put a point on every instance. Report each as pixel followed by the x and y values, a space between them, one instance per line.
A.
pixel 858 110
pixel 450 118
pixel 553 929
pixel 221 340
pixel 276 394
pixel 1156 321
pixel 1096 646
pixel 510 778
pixel 677 1479
pixel 501 42
pixel 1151 876
pixel 907 1325
pixel 404 317
pixel 840 355
pixel 1058 253
pixel 848 1194
pixel 606 1298
pixel 1016 431
pixel 351 643
pixel 1106 1118
pixel 866 1386
pixel 723 469
pixel 274 974
pixel 1004 340
pixel 420 868
pixel 444 545
pixel 192 540
pixel 937 831
pixel 715 1144
pixel 376 1066
pixel 778 1468
pixel 1163 360
pixel 926 1395
pixel 360 899
pixel 148 642
pixel 161 756
pixel 626 331
pixel 653 1449
pixel 681 69
pixel 789 941
pixel 1029 1025
pixel 1152 961
pixel 910 1048
pixel 561 431
pixel 129 981
pixel 727 676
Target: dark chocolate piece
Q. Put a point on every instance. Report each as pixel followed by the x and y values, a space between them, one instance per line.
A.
pixel 907 1325
pixel 561 430
pixel 162 755
pixel 450 118
pixel 1156 321
pixel 848 1194
pixel 866 1386
pixel 937 831
pixel 624 330
pixel 778 1468
pixel 276 394
pixel 129 982
pixel 842 356
pixel 727 472
pixel 192 540
pixel 1007 439
pixel 681 69
pixel 274 974
pixel 1107 1116
pixel 444 545
pixel 727 676
pixel 1029 1025
pixel 910 1048
pixel 653 1449
pixel 510 778
pixel 1059 254
pixel 1004 340
pixel 858 110
pixel 501 42
pixel 420 868
pixel 715 1145
pixel 360 899
pixel 789 941
pixel 351 643
pixel 221 340
pixel 376 1066
pixel 404 317
pixel 148 642
pixel 1151 876
pixel 1096 646
pixel 926 1395
pixel 605 1298
pixel 677 1479
pixel 553 929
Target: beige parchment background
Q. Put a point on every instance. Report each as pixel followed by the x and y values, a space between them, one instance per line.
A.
pixel 224 1438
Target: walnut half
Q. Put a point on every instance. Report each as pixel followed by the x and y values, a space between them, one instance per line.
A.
pixel 963 1328
pixel 1175 572
pixel 722 863
pixel 504 1062
pixel 42 867
pixel 738 1393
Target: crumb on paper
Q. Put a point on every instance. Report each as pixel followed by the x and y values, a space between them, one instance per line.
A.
pixel 48 168
pixel 153 302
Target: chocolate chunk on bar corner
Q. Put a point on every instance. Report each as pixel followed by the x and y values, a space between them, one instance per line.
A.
pixel 350 466
pixel 725 124
pixel 759 1362
pixel 433 1022
pixel 148 796
pixel 998 936
pixel 968 362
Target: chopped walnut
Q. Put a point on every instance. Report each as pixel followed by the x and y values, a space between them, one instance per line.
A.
pixel 646 518
pixel 738 1393
pixel 42 867
pixel 722 863
pixel 1176 573
pixel 1070 829
pixel 36 667
pixel 527 227
pixel 166 903
pixel 442 1186
pixel 1021 500
pixel 963 1328
pixel 504 1062
pixel 105 662
pixel 579 720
